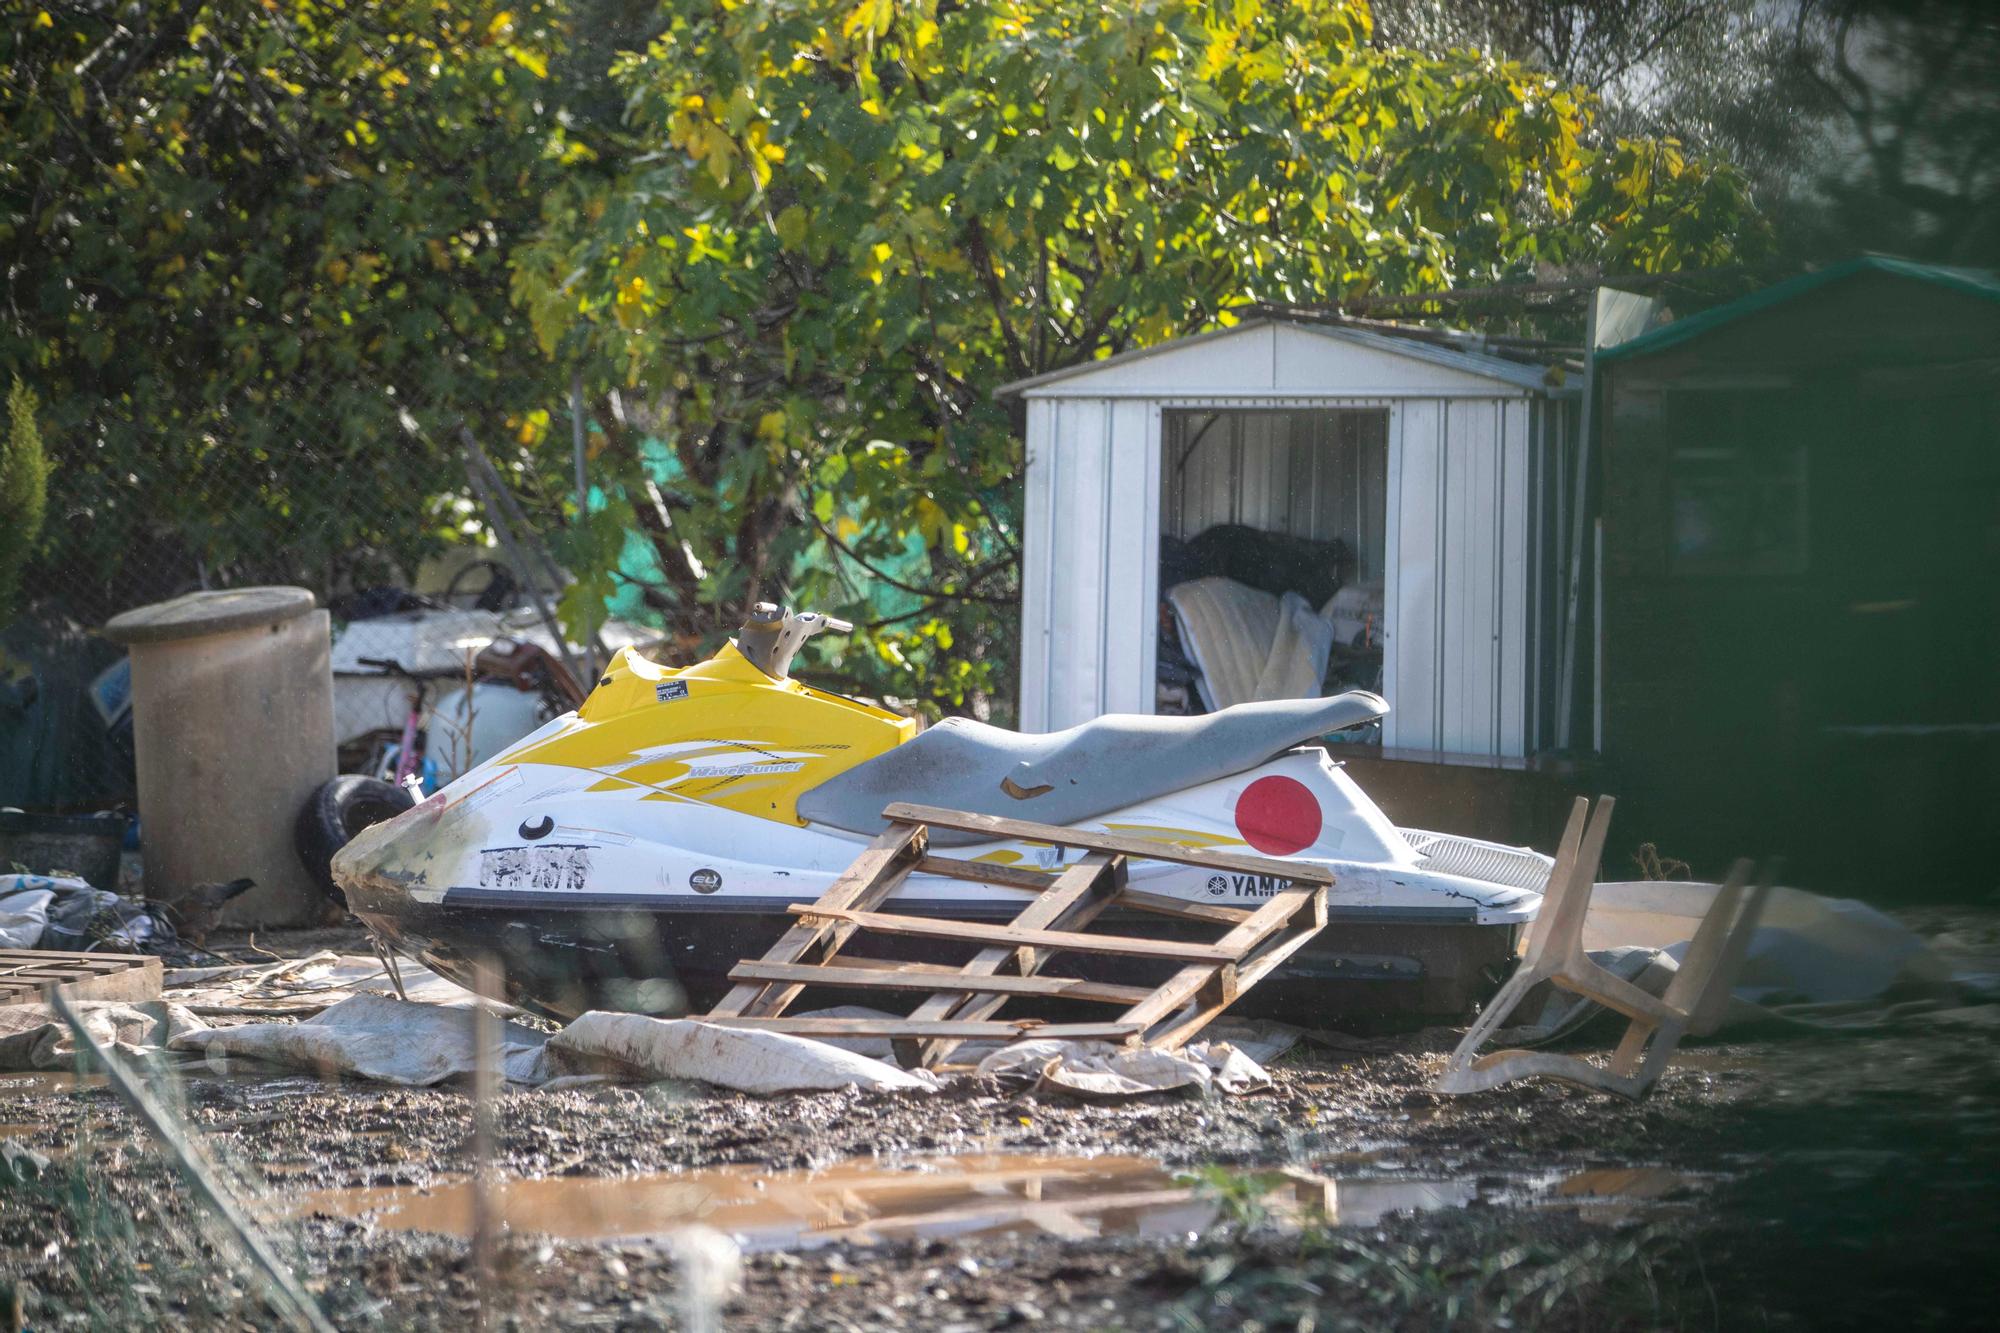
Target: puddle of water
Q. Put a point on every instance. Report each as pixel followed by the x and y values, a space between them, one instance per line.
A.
pixel 766 1210
pixel 49 1080
pixel 1363 1203
pixel 1622 1183
pixel 864 1202
pixel 1612 1195
pixel 1718 1061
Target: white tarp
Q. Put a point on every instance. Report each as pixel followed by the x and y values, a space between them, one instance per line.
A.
pixel 418 1045
pixel 372 1037
pixel 745 1059
pixel 34 1036
pixel 1098 1070
pixel 24 915
pixel 63 912
pixel 1805 948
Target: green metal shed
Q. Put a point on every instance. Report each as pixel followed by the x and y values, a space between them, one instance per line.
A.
pixel 1801 579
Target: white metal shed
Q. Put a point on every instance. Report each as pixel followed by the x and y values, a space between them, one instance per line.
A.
pixel 1438 466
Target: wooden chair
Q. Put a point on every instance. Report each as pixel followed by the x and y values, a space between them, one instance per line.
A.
pixel 1694 1002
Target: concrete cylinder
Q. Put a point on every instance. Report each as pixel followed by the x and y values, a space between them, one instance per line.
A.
pixel 232 712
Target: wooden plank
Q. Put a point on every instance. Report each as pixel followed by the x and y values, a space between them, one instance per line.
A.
pixel 890 1026
pixel 932 979
pixel 1073 899
pixel 1022 830
pixel 1266 921
pixel 61 969
pixel 67 956
pixel 885 863
pixel 1254 968
pixel 26 974
pixel 1210 999
pixel 12 960
pixel 994 1212
pixel 895 965
pixel 1014 937
pixel 988 872
pixel 1183 908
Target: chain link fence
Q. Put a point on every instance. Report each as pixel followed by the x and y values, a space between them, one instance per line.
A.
pixel 392 512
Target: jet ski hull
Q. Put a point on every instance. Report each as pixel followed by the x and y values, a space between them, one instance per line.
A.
pixel 594 893
pixel 566 958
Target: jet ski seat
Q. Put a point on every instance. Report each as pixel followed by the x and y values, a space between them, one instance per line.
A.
pixel 1063 777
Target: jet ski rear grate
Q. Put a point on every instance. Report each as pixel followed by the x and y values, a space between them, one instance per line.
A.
pixel 963 1001
pixel 1448 854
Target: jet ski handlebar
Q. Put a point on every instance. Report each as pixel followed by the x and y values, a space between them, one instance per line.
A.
pixel 773 635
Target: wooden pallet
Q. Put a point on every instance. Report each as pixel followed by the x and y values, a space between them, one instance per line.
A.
pixel 963 1001
pixel 26 973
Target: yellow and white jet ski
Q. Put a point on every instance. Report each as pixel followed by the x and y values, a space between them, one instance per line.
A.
pixel 627 855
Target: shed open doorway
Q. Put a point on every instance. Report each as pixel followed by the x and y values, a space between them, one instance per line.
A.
pixel 1273 532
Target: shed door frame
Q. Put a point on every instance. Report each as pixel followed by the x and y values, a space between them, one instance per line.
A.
pixel 1156 411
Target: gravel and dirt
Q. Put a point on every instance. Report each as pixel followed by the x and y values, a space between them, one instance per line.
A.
pixel 1798 1180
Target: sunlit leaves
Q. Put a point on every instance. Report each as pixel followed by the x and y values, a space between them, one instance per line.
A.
pixel 888 207
pixel 802 240
pixel 240 237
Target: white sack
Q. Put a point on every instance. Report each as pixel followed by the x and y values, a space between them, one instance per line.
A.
pixel 23 915
pixel 34 1036
pixel 28 900
pixel 1101 1071
pixel 371 1037
pixel 1805 947
pixel 746 1059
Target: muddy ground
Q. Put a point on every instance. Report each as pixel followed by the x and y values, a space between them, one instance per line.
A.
pixel 1803 1180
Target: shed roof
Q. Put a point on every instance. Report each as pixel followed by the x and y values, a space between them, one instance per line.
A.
pixel 1515 375
pixel 1967 281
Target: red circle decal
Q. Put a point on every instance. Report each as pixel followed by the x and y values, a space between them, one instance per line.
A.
pixel 1278 816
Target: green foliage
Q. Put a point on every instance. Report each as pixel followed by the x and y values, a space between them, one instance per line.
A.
pixel 24 476
pixel 793 247
pixel 835 228
pixel 1902 93
pixel 1477 1272
pixel 1238 1195
pixel 238 239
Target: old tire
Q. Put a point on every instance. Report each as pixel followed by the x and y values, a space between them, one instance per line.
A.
pixel 336 812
